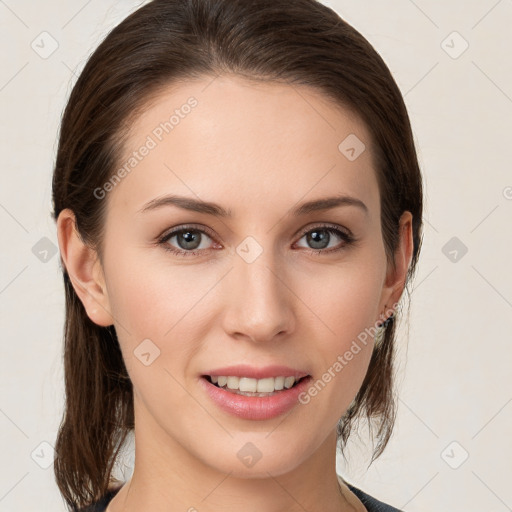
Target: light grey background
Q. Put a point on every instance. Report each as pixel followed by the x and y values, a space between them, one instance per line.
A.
pixel 455 357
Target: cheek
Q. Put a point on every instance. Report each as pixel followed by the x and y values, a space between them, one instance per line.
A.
pixel 345 300
pixel 343 307
pixel 155 318
pixel 159 310
pixel 150 298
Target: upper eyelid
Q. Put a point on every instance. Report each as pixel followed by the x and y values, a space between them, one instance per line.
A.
pixel 326 226
pixel 184 227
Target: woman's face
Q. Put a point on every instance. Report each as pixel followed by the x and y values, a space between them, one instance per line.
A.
pixel 271 284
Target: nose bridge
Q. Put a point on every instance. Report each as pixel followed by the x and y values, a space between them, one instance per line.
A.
pixel 258 303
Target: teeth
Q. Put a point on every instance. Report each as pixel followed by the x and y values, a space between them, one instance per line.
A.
pixel 288 382
pixel 279 383
pixel 247 384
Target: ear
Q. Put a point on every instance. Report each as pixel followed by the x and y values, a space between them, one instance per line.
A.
pixel 396 276
pixel 84 269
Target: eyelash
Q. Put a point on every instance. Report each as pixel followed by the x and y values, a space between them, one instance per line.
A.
pixel 346 237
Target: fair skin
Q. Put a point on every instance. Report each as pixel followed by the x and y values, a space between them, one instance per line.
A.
pixel 259 150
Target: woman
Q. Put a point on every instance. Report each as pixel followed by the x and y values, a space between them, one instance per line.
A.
pixel 217 160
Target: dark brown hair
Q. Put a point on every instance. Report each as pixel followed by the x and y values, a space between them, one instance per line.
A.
pixel 299 42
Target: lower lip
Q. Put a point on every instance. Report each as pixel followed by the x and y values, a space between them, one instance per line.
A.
pixel 255 407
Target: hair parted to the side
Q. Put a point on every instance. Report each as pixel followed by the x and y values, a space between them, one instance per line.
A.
pixel 299 42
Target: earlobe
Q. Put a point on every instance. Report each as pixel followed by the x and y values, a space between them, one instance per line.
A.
pixel 84 269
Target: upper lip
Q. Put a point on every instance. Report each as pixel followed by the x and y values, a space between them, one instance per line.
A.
pixel 243 370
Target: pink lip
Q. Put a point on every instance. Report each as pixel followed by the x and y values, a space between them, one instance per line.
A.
pixel 255 407
pixel 243 370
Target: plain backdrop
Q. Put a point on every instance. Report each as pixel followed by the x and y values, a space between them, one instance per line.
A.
pixel 451 449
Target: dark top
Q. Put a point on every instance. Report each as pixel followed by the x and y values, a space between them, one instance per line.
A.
pixel 371 504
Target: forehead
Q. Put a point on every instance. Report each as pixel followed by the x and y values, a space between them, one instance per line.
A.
pixel 253 143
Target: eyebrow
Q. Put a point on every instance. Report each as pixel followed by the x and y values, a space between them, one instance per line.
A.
pixel 209 208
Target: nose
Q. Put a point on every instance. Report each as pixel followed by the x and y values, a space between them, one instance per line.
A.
pixel 259 303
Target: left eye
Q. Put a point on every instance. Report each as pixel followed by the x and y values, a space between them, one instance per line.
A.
pixel 190 240
pixel 321 236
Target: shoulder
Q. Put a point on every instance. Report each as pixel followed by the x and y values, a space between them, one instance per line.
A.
pixel 101 504
pixel 371 503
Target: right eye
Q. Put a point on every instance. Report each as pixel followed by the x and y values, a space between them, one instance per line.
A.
pixel 188 239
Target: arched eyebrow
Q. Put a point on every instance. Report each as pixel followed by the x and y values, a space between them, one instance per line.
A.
pixel 210 208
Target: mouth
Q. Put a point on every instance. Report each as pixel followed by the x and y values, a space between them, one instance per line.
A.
pixel 255 394
pixel 247 386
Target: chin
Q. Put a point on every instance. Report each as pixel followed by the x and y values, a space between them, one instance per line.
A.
pixel 256 455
